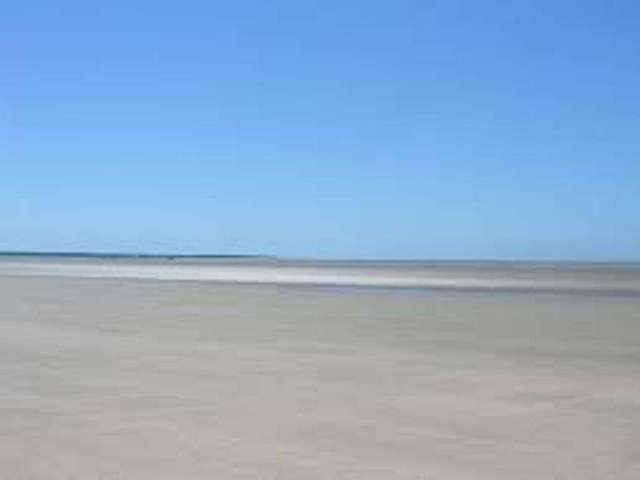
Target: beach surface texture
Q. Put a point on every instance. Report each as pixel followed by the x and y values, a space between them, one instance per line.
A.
pixel 263 369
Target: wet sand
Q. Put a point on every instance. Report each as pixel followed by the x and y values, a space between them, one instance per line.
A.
pixel 145 379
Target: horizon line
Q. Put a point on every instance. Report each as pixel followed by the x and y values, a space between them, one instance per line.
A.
pixel 164 255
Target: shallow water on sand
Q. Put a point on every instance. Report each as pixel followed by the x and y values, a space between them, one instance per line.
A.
pixel 515 276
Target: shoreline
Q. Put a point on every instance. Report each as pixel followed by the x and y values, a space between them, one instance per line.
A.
pixel 513 278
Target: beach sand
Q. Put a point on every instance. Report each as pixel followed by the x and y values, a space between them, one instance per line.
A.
pixel 143 379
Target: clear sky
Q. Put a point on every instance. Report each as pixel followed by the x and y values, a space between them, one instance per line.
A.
pixel 362 128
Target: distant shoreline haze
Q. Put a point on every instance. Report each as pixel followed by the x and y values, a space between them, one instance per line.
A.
pixel 259 256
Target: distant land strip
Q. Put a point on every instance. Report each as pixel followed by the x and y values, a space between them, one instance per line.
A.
pixel 129 255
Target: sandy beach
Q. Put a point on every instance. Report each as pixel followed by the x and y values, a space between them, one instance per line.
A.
pixel 116 378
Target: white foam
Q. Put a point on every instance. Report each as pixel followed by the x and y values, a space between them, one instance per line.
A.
pixel 317 274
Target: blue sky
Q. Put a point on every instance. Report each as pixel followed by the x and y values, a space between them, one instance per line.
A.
pixel 404 129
